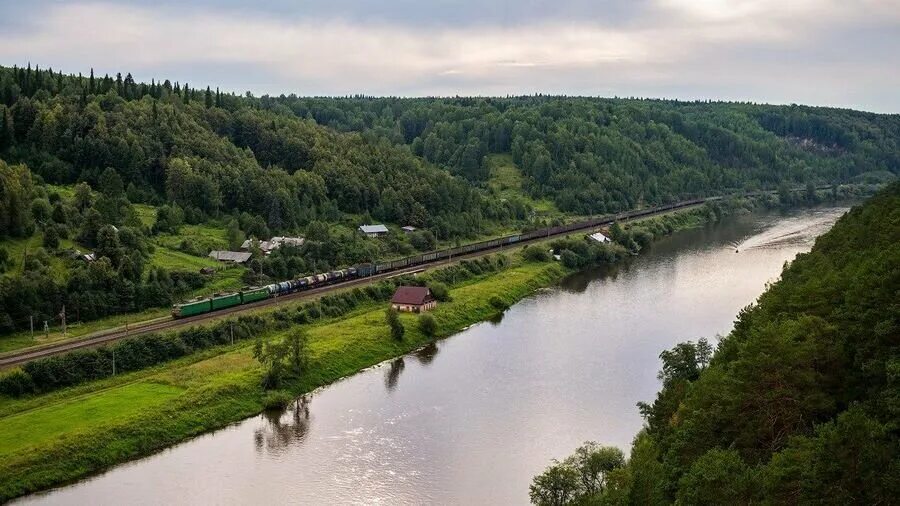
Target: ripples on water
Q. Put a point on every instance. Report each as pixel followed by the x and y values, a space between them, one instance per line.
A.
pixel 471 419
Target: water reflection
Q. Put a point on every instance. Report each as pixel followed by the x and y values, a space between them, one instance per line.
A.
pixel 497 319
pixel 392 375
pixel 426 354
pixel 283 428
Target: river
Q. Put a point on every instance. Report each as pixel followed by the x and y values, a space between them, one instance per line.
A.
pixel 472 418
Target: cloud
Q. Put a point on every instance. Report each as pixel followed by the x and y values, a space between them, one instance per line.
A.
pixel 666 47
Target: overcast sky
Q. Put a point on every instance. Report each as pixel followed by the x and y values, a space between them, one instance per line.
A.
pixel 823 52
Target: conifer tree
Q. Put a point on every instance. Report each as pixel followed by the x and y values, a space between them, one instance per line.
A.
pixel 209 99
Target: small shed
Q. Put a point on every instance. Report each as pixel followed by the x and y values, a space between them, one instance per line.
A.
pixel 409 229
pixel 373 230
pixel 599 237
pixel 237 257
pixel 416 299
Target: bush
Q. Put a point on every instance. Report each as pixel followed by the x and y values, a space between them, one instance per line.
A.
pixel 277 400
pixel 393 321
pixel 16 383
pixel 427 324
pixel 498 303
pixel 439 291
pixel 536 254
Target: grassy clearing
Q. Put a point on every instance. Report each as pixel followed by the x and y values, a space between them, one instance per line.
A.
pixel 175 260
pixel 146 213
pixel 35 427
pixel 208 236
pixel 506 182
pixel 18 249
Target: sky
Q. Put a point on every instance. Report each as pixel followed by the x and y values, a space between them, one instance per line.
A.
pixel 843 53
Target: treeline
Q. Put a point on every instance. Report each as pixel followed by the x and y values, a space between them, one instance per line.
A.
pixel 594 155
pixel 209 154
pixel 799 404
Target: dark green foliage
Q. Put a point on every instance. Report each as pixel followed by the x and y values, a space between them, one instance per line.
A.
pixel 536 253
pixel 427 324
pixel 277 400
pixel 392 316
pixel 47 374
pixel 439 291
pixel 593 155
pixel 799 404
pixel 580 479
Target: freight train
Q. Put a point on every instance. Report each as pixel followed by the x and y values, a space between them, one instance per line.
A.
pixel 246 296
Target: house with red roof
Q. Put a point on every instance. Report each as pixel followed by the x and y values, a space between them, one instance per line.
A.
pixel 416 299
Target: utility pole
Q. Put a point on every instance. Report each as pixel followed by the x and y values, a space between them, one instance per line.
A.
pixel 63 316
pixel 31 322
pixel 46 329
pixel 114 361
pixel 232 332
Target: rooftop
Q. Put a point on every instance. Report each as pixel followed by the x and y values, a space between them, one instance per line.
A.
pixel 599 237
pixel 373 229
pixel 230 256
pixel 414 295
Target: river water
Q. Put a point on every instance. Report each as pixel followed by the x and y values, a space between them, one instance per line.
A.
pixel 471 419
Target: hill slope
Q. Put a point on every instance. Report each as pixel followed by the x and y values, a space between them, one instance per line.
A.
pixel 801 402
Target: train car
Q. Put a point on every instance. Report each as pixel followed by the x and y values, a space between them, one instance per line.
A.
pixel 254 294
pixel 191 308
pixel 225 301
pixel 273 288
pixel 365 270
pixel 351 272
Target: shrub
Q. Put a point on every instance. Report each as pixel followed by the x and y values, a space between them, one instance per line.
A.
pixel 393 321
pixel 277 399
pixel 16 383
pixel 536 254
pixel 427 324
pixel 439 291
pixel 498 303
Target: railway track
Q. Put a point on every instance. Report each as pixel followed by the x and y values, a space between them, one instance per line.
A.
pixel 15 358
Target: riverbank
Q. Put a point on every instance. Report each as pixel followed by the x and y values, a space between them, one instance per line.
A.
pixel 62 436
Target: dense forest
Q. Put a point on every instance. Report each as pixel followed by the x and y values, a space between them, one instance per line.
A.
pixel 598 155
pixel 799 404
pixel 82 156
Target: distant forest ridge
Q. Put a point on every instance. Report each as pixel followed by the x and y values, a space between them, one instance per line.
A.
pixel 207 151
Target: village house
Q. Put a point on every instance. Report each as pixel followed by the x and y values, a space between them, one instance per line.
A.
pixel 373 230
pixel 409 229
pixel 416 299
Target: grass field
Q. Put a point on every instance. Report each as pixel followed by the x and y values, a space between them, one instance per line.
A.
pixel 176 260
pixel 506 182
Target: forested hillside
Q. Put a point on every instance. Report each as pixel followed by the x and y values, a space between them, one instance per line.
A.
pixel 800 404
pixel 151 176
pixel 599 155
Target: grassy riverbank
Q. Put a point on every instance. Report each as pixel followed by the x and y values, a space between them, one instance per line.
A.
pixel 49 439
